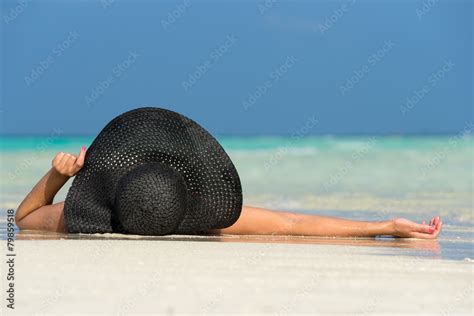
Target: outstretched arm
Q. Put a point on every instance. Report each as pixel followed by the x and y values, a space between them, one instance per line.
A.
pixel 37 211
pixel 258 221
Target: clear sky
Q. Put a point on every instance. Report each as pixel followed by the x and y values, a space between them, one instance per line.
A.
pixel 239 67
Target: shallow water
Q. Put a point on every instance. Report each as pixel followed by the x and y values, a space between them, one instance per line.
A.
pixel 366 178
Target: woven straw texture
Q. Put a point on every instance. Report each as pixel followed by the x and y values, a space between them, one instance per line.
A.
pixel 152 171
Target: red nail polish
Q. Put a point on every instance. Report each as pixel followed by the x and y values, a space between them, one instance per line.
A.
pixel 83 148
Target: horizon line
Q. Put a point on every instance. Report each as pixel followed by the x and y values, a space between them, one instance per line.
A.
pixel 257 134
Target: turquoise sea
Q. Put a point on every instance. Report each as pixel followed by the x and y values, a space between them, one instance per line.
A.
pixel 358 177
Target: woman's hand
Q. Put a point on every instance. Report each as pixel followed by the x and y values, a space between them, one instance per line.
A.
pixel 69 164
pixel 405 228
pixel 37 210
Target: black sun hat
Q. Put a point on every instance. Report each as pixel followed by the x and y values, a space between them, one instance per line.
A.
pixel 152 171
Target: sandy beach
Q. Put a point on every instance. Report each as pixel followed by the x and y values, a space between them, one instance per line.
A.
pixel 243 275
pixel 174 275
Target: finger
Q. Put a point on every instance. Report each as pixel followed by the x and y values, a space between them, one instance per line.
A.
pixel 64 158
pixel 71 160
pixel 433 235
pixel 431 221
pixel 423 223
pixel 82 156
pixel 436 231
pixel 436 220
pixel 71 164
pixel 58 157
pixel 424 228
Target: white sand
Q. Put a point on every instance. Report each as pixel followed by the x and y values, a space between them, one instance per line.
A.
pixel 182 277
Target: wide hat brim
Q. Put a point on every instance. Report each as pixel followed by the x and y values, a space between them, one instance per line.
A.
pixel 147 135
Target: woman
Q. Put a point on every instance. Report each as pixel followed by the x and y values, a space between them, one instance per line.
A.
pixel 38 212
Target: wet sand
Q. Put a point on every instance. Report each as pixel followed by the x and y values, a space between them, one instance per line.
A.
pixel 116 274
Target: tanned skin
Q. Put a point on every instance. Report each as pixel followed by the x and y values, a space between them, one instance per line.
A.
pixel 38 212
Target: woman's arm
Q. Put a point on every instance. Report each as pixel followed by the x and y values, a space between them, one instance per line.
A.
pixel 37 211
pixel 258 221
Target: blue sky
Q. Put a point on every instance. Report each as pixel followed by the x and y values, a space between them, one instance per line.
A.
pixel 239 67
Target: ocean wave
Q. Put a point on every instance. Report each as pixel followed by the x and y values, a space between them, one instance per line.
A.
pixel 283 150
